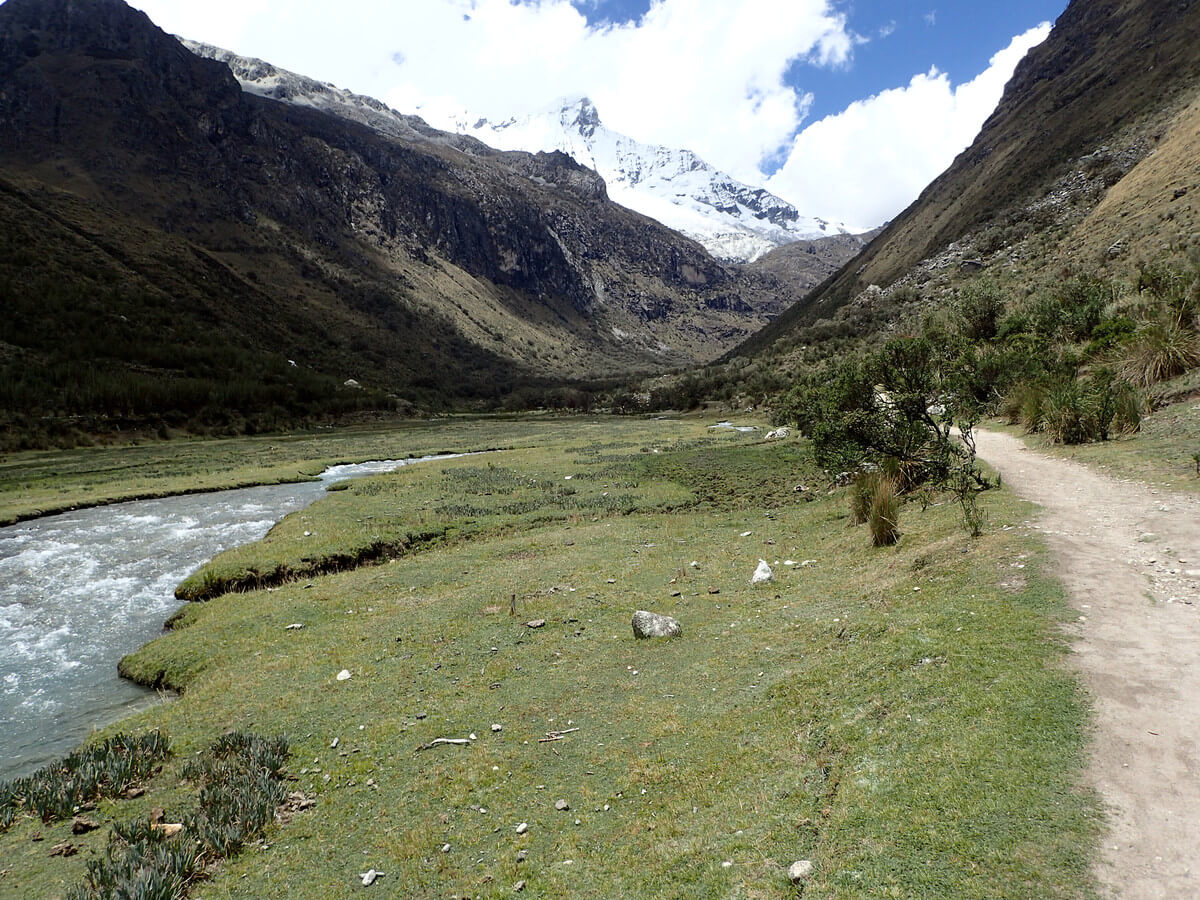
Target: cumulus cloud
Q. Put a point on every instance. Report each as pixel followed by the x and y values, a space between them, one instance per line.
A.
pixel 866 164
pixel 707 76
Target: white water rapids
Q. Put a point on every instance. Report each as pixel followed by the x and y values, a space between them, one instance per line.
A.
pixel 80 590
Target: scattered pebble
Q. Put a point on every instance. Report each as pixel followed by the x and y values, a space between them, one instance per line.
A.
pixel 536 623
pixel 496 726
pixel 343 675
pixel 445 848
pixel 295 626
pixel 369 876
pixel 519 886
pixel 522 828
pixel 562 805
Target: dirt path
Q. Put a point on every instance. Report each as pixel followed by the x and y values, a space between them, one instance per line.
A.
pixel 1130 555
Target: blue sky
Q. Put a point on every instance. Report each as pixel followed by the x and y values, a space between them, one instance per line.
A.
pixel 845 108
pixel 904 38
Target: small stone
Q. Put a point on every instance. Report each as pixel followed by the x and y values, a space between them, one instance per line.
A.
pixel 727 864
pixel 536 623
pixel 81 825
pixel 333 744
pixel 497 727
pixel 578 822
pixel 562 805
pixel 522 855
pixel 445 848
pixel 652 625
pixel 369 876
pixel 472 737
pixel 800 871
pixel 519 886
pixel 522 828
pixel 295 626
pixel 66 848
pixel 343 675
pixel 762 574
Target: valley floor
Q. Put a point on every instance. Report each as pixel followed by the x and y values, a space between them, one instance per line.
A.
pixel 904 718
pixel 1130 556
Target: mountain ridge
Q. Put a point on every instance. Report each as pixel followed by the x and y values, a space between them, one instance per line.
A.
pixel 150 187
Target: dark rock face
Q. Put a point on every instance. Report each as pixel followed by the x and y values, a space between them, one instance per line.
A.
pixel 101 107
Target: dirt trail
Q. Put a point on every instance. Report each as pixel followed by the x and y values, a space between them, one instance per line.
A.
pixel 1130 555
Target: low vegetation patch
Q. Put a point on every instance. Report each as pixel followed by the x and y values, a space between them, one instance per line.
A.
pixel 240 780
pixel 105 769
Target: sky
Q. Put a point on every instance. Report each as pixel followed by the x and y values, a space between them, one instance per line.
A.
pixel 845 108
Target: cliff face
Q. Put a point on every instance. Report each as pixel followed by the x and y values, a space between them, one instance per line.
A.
pixel 428 261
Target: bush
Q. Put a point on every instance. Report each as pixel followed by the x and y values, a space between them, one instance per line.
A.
pixel 883 518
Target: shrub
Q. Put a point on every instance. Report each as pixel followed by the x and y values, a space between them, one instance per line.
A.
pixel 884 514
pixel 980 308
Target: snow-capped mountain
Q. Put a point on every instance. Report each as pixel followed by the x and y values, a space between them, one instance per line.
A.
pixel 732 220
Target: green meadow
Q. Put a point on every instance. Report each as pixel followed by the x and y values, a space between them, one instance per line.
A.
pixel 904 718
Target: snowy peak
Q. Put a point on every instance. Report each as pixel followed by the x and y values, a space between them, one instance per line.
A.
pixel 733 220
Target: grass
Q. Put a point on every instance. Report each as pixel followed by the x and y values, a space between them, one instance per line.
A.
pixel 40 482
pixel 901 716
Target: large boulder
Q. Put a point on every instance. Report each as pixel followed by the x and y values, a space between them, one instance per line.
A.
pixel 652 625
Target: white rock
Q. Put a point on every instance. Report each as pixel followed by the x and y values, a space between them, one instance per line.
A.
pixel 295 626
pixel 652 625
pixel 343 675
pixel 799 871
pixel 522 828
pixel 369 876
pixel 762 574
pixel 497 727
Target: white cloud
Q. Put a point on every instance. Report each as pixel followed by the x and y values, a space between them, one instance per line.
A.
pixel 690 73
pixel 866 164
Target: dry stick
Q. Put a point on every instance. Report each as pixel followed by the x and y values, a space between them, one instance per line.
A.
pixel 555 735
pixel 459 742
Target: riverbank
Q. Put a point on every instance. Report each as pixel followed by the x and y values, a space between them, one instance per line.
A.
pixel 901 717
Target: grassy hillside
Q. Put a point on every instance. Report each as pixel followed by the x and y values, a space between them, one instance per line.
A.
pixel 1104 93
pixel 900 717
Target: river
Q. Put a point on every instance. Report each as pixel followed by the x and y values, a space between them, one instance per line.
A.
pixel 80 590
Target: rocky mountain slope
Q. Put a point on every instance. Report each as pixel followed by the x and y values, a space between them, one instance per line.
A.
pixel 732 220
pixel 1087 164
pixel 170 230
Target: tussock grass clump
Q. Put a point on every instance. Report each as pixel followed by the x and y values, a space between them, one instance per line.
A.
pixel 883 518
pixel 241 786
pixel 102 770
pixel 1161 351
pixel 861 494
